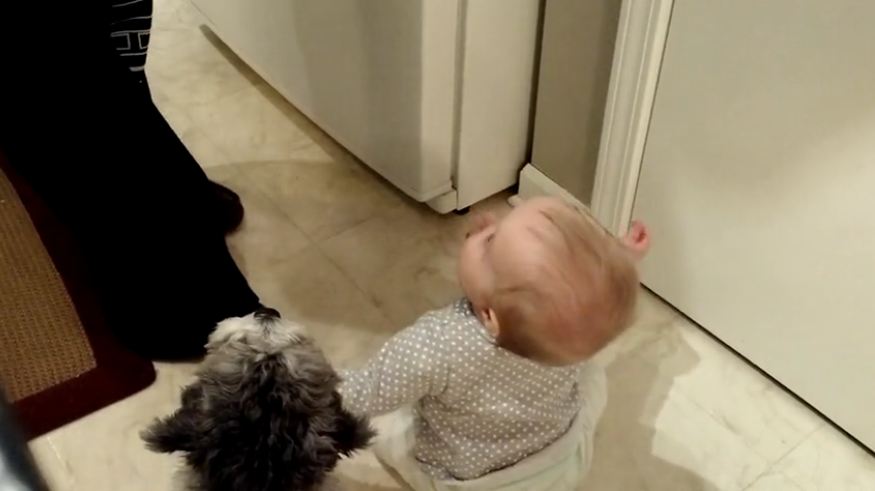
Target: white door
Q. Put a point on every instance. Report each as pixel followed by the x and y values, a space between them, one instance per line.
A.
pixel 758 181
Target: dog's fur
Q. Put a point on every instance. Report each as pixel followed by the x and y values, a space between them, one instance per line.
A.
pixel 264 413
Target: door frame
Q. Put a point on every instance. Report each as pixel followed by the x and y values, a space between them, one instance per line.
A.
pixel 638 53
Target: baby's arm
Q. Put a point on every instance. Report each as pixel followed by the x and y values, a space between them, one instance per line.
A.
pixel 411 365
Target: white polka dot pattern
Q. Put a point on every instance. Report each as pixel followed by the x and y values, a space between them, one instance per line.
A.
pixel 479 407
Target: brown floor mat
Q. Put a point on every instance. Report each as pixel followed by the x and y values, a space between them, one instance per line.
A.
pixel 43 340
pixel 57 360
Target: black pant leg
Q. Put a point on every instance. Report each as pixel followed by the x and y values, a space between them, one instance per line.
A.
pixel 79 127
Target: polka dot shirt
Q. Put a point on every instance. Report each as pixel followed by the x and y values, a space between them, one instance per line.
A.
pixel 479 407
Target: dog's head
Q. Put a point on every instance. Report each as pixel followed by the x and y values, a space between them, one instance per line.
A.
pixel 264 412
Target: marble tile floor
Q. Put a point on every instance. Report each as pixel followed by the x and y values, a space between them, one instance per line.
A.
pixel 330 244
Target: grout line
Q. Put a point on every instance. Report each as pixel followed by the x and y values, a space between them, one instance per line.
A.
pixel 56 452
pixel 367 295
pixel 769 377
pixel 769 384
pixel 783 456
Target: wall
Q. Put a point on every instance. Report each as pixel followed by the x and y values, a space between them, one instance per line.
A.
pixel 576 56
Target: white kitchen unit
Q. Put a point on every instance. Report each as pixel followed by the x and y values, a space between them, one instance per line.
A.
pixel 758 182
pixel 743 134
pixel 433 95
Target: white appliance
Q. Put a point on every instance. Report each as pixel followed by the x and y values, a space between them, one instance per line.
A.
pixel 758 180
pixel 753 162
pixel 433 95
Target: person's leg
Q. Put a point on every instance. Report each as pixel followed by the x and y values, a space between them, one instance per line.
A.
pixel 130 34
pixel 104 159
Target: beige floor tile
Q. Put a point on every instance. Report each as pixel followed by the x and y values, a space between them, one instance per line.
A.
pixel 175 114
pixel 653 319
pixel 191 67
pixel 252 125
pixel 768 419
pixel 772 481
pixel 364 473
pixel 405 258
pixel 53 467
pixel 653 437
pixel 187 67
pixel 202 147
pixel 828 460
pixel 267 236
pixel 402 259
pixel 103 451
pixel 311 290
pixel 222 174
pixel 323 198
pixel 198 81
pixel 174 14
pixel 218 105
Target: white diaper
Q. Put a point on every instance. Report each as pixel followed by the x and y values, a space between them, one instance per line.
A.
pixel 560 466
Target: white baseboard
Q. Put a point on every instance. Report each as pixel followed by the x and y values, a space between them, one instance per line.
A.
pixel 535 183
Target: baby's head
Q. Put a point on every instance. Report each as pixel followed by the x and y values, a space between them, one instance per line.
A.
pixel 549 282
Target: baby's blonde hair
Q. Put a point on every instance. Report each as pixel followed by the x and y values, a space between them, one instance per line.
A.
pixel 578 297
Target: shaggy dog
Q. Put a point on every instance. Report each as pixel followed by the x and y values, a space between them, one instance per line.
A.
pixel 264 413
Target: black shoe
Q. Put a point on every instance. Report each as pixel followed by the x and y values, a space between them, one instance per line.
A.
pixel 229 209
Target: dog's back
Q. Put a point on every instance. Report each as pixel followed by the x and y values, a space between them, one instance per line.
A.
pixel 266 422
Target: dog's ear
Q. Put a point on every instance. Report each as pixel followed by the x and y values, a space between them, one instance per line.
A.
pixel 352 433
pixel 175 433
pixel 181 431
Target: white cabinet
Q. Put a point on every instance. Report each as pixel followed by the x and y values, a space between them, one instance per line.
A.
pixel 433 95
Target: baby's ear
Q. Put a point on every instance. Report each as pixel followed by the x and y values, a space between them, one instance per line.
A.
pixel 490 320
pixel 179 432
pixel 183 430
pixel 637 240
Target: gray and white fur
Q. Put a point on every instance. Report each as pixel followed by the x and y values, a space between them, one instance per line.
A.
pixel 264 413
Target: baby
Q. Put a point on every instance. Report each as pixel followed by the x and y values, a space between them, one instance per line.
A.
pixel 495 391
